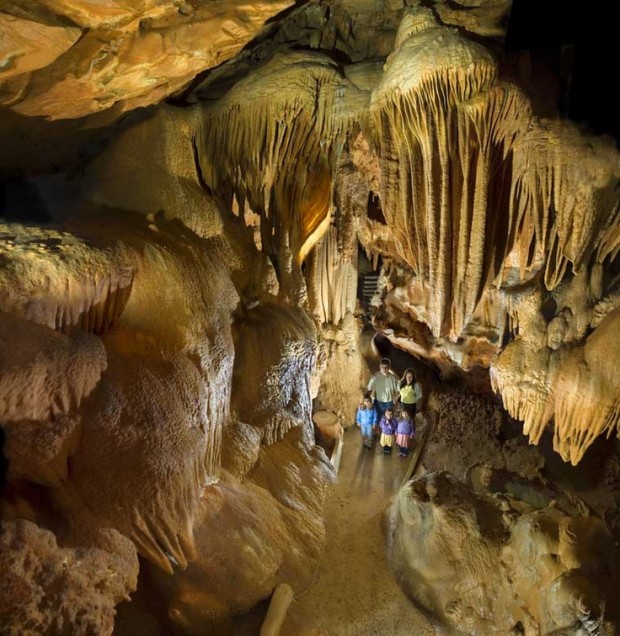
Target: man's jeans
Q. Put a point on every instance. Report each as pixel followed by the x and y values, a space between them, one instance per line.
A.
pixel 366 430
pixel 381 408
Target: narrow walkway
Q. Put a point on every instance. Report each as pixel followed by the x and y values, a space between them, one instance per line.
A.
pixel 354 592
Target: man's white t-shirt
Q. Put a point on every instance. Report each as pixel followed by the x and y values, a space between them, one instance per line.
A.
pixel 385 386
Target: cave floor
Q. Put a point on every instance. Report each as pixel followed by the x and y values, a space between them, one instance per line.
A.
pixel 353 591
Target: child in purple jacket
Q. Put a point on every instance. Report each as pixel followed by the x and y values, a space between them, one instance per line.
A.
pixel 388 428
pixel 405 430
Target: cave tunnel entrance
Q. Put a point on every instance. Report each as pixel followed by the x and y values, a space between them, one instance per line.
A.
pixel 20 201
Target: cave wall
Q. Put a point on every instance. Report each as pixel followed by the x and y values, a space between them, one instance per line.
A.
pixel 482 563
pixel 135 365
pixel 198 287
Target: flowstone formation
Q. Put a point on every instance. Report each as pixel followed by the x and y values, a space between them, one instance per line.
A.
pixel 115 400
pixel 162 339
pixel 486 563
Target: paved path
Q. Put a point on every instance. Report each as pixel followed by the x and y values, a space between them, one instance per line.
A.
pixel 354 593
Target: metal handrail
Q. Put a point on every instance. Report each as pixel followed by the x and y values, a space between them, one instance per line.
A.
pixel 337 452
pixel 417 455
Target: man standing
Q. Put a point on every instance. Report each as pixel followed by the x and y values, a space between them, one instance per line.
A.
pixel 383 386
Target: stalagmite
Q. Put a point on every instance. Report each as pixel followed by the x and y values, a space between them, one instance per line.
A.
pixel 281 599
pixel 483 563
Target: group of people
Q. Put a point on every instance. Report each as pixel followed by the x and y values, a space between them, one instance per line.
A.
pixel 391 395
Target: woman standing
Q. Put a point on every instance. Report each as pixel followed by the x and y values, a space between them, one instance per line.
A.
pixel 410 392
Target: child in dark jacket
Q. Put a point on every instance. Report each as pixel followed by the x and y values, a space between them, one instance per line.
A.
pixel 366 419
pixel 388 428
pixel 405 430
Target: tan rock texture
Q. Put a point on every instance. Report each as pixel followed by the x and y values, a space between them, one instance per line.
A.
pixel 161 344
pixel 49 588
pixel 252 533
pixel 118 401
pixel 125 55
pixel 490 565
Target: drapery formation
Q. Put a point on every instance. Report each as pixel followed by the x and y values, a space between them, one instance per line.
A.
pixel 272 142
pixel 477 194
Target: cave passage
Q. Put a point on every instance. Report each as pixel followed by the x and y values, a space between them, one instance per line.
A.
pixel 353 591
pixel 215 219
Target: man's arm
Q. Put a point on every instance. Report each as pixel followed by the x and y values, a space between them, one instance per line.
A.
pixel 371 386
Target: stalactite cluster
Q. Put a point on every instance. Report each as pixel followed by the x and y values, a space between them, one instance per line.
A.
pixel 480 194
pixel 272 141
pixel 445 134
pixel 332 280
pixel 477 194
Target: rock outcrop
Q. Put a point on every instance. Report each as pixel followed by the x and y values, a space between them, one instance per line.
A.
pixel 68 59
pixel 498 565
pixel 120 420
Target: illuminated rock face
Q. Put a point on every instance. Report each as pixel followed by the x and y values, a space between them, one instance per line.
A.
pixel 120 419
pixel 145 398
pixel 477 199
pixel 497 566
pixel 69 59
pixel 160 350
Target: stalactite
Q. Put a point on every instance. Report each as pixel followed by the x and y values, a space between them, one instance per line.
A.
pixel 586 391
pixel 575 384
pixel 273 141
pixel 565 195
pixel 332 280
pixel 446 129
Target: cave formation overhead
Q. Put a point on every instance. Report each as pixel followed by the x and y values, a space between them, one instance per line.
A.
pixel 190 191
